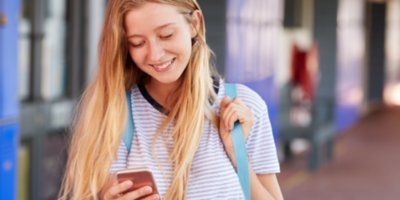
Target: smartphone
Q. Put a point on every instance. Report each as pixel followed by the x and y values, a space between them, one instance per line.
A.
pixel 139 177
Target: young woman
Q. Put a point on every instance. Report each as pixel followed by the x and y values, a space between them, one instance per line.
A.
pixel 156 49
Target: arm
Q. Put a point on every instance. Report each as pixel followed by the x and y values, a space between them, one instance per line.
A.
pixel 264 186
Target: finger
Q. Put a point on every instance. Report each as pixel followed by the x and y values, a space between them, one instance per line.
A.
pixel 243 110
pixel 115 190
pixel 143 191
pixel 223 105
pixel 111 181
pixel 224 117
pixel 225 102
pixel 232 119
pixel 152 197
pixel 230 112
pixel 239 102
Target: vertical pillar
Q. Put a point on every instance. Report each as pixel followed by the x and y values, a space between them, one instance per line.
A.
pixel 376 51
pixel 215 20
pixel 95 12
pixel 37 34
pixel 75 53
pixel 293 11
pixel 325 17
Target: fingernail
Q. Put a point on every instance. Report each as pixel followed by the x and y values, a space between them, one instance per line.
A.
pixel 129 183
pixel 147 189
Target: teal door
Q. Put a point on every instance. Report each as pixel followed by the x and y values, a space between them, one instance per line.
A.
pixel 9 13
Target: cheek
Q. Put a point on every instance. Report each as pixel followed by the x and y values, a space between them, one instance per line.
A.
pixel 137 59
pixel 182 43
pixel 135 55
pixel 188 50
pixel 184 47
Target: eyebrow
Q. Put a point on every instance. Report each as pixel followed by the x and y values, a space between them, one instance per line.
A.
pixel 158 28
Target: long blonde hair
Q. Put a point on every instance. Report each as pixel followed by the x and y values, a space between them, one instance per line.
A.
pixel 99 124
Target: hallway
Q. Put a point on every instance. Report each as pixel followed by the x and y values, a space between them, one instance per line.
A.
pixel 366 164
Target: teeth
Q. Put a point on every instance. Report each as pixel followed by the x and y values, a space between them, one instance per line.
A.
pixel 163 66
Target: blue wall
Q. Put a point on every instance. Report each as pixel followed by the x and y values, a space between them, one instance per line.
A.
pixel 8 59
pixel 253 29
pixel 350 63
pixel 8 99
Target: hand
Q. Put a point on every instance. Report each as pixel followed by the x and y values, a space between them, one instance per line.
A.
pixel 230 112
pixel 115 191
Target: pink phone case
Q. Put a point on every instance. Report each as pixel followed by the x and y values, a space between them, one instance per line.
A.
pixel 139 177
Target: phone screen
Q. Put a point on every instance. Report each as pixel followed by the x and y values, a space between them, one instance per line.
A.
pixel 139 177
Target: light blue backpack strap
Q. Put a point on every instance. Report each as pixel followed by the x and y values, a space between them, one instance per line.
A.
pixel 240 148
pixel 128 133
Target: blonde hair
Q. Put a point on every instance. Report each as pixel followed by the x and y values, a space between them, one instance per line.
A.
pixel 98 128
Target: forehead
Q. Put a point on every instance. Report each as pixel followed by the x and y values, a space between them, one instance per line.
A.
pixel 150 16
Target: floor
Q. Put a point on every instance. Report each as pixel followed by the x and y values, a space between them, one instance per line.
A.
pixel 366 164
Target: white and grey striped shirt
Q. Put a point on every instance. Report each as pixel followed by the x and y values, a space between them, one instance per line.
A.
pixel 212 174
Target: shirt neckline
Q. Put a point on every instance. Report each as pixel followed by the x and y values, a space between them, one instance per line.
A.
pixel 159 107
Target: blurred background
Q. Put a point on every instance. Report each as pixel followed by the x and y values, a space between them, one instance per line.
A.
pixel 329 71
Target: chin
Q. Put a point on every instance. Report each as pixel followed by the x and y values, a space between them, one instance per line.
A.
pixel 170 78
pixel 167 80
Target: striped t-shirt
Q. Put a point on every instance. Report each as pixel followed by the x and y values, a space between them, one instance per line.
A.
pixel 212 175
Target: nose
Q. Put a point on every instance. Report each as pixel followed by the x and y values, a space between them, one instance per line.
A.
pixel 155 51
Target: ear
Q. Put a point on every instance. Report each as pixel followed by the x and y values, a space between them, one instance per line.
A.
pixel 196 23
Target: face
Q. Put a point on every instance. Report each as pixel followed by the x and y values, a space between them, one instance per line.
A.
pixel 159 40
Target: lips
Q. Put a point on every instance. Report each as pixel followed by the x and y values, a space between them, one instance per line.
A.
pixel 164 66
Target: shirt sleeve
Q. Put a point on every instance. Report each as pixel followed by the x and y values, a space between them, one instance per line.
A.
pixel 260 143
pixel 121 161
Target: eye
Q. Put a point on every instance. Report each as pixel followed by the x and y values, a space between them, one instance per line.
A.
pixel 166 36
pixel 136 44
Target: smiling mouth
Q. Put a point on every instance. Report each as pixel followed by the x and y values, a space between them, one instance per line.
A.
pixel 163 66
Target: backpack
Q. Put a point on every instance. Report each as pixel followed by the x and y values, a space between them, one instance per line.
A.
pixel 237 137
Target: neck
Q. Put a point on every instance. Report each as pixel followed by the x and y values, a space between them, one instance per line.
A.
pixel 163 93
